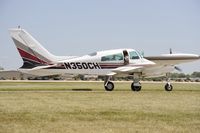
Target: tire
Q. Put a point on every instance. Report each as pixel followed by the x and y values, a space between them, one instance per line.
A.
pixel 136 87
pixel 109 86
pixel 168 87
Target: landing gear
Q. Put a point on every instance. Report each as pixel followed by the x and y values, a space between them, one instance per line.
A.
pixel 168 86
pixel 136 85
pixel 109 86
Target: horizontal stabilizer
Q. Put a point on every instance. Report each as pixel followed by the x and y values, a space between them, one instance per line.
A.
pixel 42 67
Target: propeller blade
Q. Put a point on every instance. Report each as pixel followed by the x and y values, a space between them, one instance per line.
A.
pixel 178 68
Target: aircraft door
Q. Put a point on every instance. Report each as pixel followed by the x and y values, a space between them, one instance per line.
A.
pixel 126 57
pixel 134 57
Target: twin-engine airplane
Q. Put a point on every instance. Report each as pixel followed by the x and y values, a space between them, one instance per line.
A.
pixel 120 62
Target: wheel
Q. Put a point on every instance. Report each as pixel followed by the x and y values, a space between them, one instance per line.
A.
pixel 168 87
pixel 109 86
pixel 136 86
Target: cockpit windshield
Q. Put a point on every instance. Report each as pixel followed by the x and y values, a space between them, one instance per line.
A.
pixel 140 54
pixel 134 55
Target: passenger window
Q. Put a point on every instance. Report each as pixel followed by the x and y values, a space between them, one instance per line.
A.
pixel 133 55
pixel 114 57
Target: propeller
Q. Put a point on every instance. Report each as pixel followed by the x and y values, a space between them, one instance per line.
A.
pixel 178 68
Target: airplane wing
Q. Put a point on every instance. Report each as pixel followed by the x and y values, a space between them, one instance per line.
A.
pixel 163 64
pixel 125 70
pixel 173 59
pixel 167 63
pixel 128 69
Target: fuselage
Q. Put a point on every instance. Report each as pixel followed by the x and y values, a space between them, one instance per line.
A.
pixel 97 63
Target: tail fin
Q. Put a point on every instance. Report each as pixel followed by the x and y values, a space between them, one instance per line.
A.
pixel 31 51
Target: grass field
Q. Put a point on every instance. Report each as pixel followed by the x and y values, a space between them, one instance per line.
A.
pixel 49 107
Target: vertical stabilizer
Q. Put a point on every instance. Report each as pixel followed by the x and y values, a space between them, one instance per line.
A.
pixel 31 51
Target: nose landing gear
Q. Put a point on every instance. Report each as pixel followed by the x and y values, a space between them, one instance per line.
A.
pixel 168 85
pixel 136 86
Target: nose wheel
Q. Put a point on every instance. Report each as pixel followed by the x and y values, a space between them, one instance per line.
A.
pixel 136 86
pixel 168 87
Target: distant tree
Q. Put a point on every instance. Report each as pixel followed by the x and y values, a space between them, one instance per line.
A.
pixel 79 77
pixel 195 75
pixel 101 78
pixel 178 75
pixel 1 68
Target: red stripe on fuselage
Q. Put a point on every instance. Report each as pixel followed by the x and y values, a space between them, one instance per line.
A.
pixel 114 65
pixel 26 55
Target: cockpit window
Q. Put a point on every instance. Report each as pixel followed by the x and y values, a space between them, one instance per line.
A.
pixel 133 55
pixel 140 54
pixel 113 57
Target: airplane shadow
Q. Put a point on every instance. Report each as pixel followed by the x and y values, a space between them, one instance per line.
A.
pixel 82 89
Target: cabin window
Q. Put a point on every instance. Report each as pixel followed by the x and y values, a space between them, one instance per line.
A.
pixel 113 57
pixel 133 55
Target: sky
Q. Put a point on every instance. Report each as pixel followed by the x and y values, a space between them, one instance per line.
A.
pixel 78 27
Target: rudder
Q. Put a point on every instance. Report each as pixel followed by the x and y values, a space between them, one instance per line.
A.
pixel 31 51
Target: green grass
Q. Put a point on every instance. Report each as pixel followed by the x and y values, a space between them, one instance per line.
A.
pixel 86 107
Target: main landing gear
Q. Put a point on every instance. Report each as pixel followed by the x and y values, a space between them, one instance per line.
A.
pixel 109 86
pixel 135 86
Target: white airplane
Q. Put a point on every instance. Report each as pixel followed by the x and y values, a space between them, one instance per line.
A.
pixel 119 62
